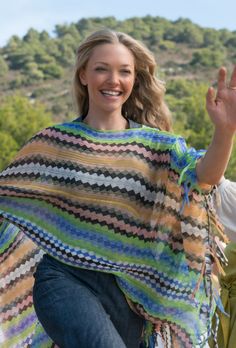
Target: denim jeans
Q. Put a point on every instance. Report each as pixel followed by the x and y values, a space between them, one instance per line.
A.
pixel 79 308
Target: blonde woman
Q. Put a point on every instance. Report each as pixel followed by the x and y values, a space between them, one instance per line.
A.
pixel 114 200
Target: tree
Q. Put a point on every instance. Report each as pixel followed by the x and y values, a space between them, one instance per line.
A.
pixel 67 56
pixel 20 57
pixel 198 121
pixel 231 41
pixel 33 72
pixel 211 37
pixel 208 57
pixel 19 120
pixel 71 30
pixel 3 67
pixel 231 169
pixel 189 112
pixel 32 36
pixel 9 148
pixel 13 43
pixel 184 31
pixel 52 70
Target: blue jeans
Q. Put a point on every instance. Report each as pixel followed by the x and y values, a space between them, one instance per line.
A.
pixel 80 308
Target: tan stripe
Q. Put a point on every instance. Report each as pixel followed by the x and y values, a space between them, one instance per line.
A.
pixel 19 289
pixel 14 258
pixel 174 189
pixel 168 220
pixel 194 211
pixel 85 197
pixel 93 161
pixel 106 199
pixel 194 247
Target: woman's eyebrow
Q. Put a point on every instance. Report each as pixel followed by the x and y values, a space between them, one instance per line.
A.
pixel 104 63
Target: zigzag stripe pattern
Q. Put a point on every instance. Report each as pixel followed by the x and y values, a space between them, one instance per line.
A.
pixel 108 201
pixel 18 321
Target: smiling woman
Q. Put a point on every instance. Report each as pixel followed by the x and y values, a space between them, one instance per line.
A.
pixel 105 57
pixel 127 262
pixel 109 78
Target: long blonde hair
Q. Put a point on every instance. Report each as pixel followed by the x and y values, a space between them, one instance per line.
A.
pixel 146 103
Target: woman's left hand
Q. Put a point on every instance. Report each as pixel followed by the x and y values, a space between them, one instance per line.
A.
pixel 221 104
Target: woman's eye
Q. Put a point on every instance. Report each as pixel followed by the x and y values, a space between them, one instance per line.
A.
pixel 126 71
pixel 100 68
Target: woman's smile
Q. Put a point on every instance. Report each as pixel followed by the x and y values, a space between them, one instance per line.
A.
pixel 109 76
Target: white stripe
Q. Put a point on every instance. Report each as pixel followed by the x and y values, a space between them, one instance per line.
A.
pixel 22 269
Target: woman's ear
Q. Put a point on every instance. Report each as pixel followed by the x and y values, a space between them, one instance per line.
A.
pixel 82 77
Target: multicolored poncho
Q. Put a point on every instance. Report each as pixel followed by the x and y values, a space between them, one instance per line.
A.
pixel 125 202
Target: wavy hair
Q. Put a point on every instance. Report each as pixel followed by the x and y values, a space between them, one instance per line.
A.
pixel 146 103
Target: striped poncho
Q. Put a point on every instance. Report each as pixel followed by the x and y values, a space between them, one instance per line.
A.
pixel 124 202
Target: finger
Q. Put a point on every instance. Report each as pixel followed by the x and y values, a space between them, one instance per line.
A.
pixel 232 82
pixel 222 78
pixel 210 98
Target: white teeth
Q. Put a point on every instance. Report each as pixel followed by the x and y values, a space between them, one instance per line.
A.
pixel 113 93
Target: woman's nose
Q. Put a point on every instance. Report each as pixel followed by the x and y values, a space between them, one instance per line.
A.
pixel 114 77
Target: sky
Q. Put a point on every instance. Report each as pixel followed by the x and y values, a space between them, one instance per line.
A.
pixel 18 16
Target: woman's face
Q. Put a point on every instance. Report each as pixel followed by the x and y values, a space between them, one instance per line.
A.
pixel 109 76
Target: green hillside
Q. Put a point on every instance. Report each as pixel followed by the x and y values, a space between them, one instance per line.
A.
pixel 36 73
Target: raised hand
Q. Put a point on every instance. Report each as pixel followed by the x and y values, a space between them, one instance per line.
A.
pixel 221 104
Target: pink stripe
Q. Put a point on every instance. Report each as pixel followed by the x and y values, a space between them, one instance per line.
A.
pixel 115 148
pixel 17 307
pixel 100 217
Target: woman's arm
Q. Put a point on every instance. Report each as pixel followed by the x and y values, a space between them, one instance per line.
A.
pixel 221 107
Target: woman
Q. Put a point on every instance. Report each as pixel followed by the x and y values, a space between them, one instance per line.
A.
pixel 115 201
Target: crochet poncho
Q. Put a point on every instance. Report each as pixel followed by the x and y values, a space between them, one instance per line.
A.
pixel 125 202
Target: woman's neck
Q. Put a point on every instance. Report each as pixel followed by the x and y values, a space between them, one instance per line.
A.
pixel 107 122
